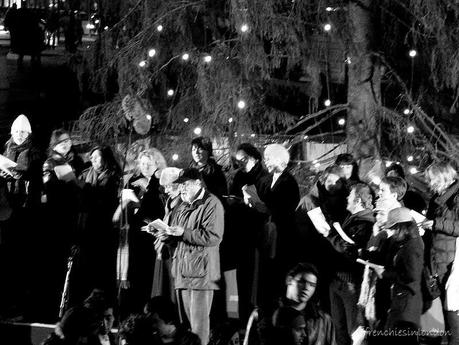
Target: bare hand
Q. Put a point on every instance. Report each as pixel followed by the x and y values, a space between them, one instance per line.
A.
pixel 142 183
pixel 124 284
pixel 379 270
pixel 427 224
pixel 175 231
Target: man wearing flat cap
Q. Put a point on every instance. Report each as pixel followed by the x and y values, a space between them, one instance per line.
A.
pixel 196 261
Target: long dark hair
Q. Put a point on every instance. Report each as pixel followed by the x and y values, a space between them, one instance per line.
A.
pixel 108 158
pixel 405 230
pixel 54 140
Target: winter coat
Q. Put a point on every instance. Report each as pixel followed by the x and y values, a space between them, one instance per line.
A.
pixel 213 177
pixel 359 228
pixel 403 269
pixel 196 260
pixel 444 211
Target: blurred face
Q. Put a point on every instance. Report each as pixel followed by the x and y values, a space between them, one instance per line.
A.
pixel 301 288
pixel 245 161
pixel 271 163
pixel 19 136
pixel 385 193
pixel 108 320
pixel 381 217
pixel 352 201
pixel 173 190
pixel 331 182
pixel 199 155
pixel 298 330
pixel 64 145
pixel 346 170
pixel 147 167
pixel 189 189
pixel 436 183
pixel 165 330
pixel 96 160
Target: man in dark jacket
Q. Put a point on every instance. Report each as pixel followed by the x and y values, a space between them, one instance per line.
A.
pixel 345 287
pixel 196 261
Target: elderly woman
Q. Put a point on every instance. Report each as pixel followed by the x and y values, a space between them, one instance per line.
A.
pixel 145 205
pixel 96 259
pixel 443 211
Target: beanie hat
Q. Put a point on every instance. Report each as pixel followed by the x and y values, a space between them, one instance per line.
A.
pixel 169 175
pixel 21 123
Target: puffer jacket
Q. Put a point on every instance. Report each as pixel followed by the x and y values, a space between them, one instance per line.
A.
pixel 196 260
pixel 444 211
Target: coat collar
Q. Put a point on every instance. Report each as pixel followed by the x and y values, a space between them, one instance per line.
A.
pixel 452 190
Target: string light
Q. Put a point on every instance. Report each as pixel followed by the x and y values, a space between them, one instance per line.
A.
pixel 305 137
pixel 159 28
pixel 252 135
pixel 341 122
pixel 148 116
pixel 348 60
pixel 409 158
pixel 106 28
pixel 244 28
pixel 170 92
pixel 410 129
pixel 412 53
pixel 406 111
pixel 327 27
pixel 142 63
pixel 241 104
pixel 230 120
pixel 186 119
pixel 185 56
pixel 151 52
pixel 327 102
pixel 413 170
pixel 175 157
pixel 197 131
pixel 388 164
pixel 207 58
pixel 329 9
pixel 90 26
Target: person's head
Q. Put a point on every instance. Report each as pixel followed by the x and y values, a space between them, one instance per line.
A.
pixel 190 181
pixel 163 315
pixel 348 165
pixel 359 198
pixel 395 170
pixel 137 330
pixel 392 188
pixel 20 129
pixel 440 176
pixel 102 158
pixel 301 283
pixel 290 325
pixel 247 156
pixel 276 158
pixel 330 178
pixel 167 180
pixel 150 161
pixel 60 142
pixel 109 318
pixel 201 150
pixel 400 224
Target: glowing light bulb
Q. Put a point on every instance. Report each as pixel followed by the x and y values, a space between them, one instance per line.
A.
pixel 327 27
pixel 186 119
pixel 388 164
pixel 327 102
pixel 341 122
pixel 175 157
pixel 170 92
pixel 244 28
pixel 317 165
pixel 348 60
pixel 305 137
pixel 142 63
pixel 409 158
pixel 329 9
pixel 252 135
pixel 151 52
pixel 410 129
pixel 148 116
pixel 376 180
pixel 159 28
pixel 412 53
pixel 207 58
pixel 230 120
pixel 197 131
pixel 106 28
pixel 413 170
pixel 406 111
pixel 185 56
pixel 241 104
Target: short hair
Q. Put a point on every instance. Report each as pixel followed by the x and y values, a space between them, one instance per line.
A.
pixel 331 169
pixel 363 192
pixel 155 156
pixel 204 143
pixel 137 330
pixel 396 185
pixel 279 154
pixel 397 168
pixel 165 309
pixel 345 159
pixel 302 268
pixel 446 172
pixel 250 150
pixel 54 139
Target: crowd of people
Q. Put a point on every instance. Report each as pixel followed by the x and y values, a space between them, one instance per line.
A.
pixel 151 248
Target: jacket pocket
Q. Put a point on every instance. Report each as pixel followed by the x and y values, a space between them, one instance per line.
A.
pixel 194 264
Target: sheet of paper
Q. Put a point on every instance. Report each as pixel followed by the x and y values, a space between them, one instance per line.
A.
pixel 368 263
pixel 318 219
pixel 341 232
pixel 64 172
pixel 159 225
pixel 419 218
pixel 6 164
pixel 128 195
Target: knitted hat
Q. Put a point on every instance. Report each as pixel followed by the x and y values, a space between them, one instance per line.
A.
pixel 21 123
pixel 169 175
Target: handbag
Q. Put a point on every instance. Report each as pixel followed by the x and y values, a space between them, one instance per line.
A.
pixel 430 287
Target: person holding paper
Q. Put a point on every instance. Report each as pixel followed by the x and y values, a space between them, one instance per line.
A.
pixel 347 239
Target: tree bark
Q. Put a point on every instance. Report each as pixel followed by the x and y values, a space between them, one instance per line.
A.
pixel 364 85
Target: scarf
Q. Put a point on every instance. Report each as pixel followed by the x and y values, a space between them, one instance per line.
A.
pixel 93 177
pixel 367 294
pixel 452 284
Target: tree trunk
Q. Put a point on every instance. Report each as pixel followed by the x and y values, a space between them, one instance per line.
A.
pixel 364 85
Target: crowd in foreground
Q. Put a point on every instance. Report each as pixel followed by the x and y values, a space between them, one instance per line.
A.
pixel 155 246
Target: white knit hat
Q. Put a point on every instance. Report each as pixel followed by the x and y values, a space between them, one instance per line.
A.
pixel 21 123
pixel 169 175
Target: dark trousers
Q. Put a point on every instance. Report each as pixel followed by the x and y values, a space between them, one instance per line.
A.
pixel 344 311
pixel 452 325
